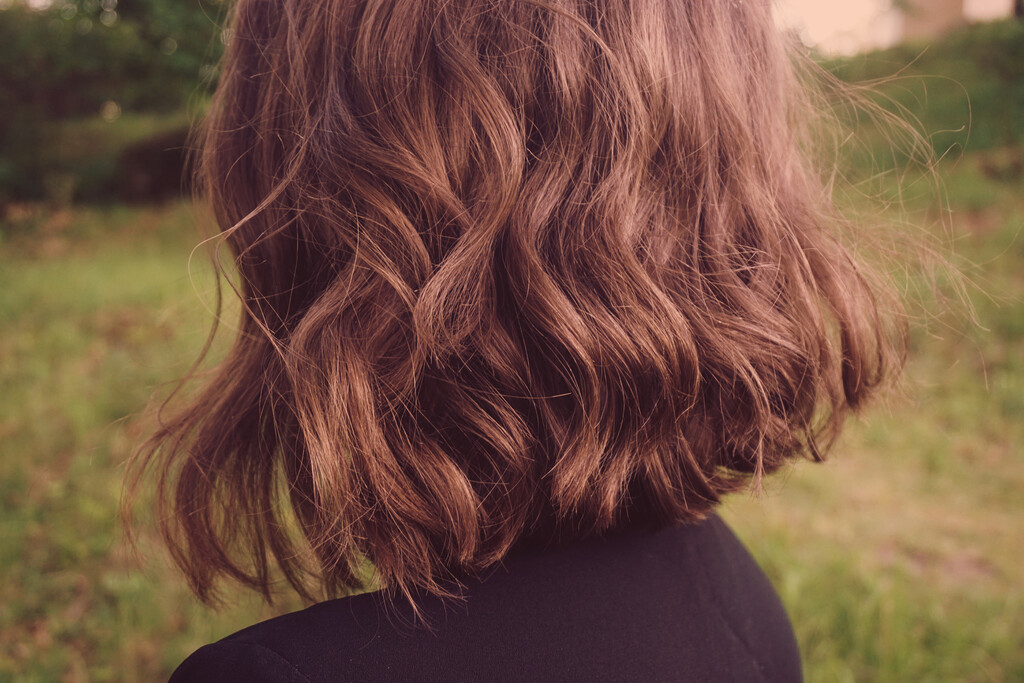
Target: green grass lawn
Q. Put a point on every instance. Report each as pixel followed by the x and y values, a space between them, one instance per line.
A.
pixel 900 559
pixel 97 309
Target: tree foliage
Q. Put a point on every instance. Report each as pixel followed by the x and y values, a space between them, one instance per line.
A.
pixel 70 58
pixel 80 58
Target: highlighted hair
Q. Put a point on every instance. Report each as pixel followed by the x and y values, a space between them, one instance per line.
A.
pixel 512 271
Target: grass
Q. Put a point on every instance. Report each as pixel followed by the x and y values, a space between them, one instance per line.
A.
pixel 96 311
pixel 898 560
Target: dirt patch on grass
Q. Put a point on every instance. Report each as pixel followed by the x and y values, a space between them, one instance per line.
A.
pixel 959 568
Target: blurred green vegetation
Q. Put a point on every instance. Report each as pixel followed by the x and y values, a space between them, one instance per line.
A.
pixel 900 559
pixel 77 68
pixel 967 90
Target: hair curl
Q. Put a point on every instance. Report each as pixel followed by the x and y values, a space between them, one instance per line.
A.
pixel 512 270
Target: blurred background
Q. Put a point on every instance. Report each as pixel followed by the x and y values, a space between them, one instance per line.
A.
pixel 899 559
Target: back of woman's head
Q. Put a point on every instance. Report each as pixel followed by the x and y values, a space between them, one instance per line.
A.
pixel 511 269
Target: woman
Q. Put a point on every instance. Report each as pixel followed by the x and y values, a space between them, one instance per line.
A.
pixel 528 286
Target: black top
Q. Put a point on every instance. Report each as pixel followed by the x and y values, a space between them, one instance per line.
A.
pixel 681 604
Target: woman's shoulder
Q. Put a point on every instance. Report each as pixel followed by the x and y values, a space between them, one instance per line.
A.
pixel 636 606
pixel 296 646
pixel 230 660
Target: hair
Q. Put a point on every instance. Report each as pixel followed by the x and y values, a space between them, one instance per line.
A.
pixel 511 271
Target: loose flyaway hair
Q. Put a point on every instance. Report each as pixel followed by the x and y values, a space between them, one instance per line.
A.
pixel 512 271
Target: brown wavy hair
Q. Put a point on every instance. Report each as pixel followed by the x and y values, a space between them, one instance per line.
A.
pixel 512 271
